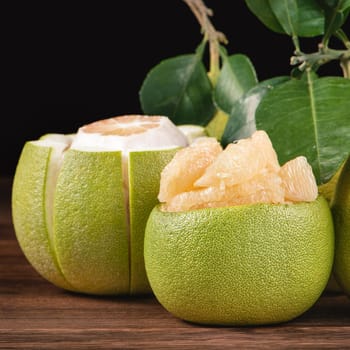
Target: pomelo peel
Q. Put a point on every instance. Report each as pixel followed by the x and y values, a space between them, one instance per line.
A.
pixel 241 265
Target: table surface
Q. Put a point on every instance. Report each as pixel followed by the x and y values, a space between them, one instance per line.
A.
pixel 34 314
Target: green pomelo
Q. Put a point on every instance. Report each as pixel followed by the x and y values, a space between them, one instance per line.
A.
pixel 71 215
pixel 243 265
pixel 327 190
pixel 341 216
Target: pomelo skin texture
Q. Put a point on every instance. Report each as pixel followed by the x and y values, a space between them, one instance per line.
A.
pixel 71 221
pixel 341 216
pixel 245 265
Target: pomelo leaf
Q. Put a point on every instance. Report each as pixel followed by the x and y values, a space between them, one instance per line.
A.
pixel 303 18
pixel 263 11
pixel 287 14
pixel 179 88
pixel 237 76
pixel 309 117
pixel 241 122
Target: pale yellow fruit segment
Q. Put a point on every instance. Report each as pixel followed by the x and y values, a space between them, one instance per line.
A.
pixel 298 180
pixel 246 172
pixel 187 166
pixel 240 161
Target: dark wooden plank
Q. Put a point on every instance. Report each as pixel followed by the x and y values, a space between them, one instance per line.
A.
pixel 35 314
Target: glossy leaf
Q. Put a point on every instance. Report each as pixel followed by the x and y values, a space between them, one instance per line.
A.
pixel 241 122
pixel 304 18
pixel 311 18
pixel 237 76
pixel 263 11
pixel 309 117
pixel 179 88
pixel 287 13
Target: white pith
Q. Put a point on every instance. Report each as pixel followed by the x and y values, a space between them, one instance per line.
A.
pixel 165 136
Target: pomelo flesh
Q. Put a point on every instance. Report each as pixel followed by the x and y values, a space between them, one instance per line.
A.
pixel 204 175
pixel 72 213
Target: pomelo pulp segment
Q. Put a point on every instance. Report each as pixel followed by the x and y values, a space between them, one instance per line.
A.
pixel 80 202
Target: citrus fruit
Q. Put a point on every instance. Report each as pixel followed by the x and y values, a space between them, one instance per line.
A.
pixel 245 242
pixel 80 202
pixel 341 215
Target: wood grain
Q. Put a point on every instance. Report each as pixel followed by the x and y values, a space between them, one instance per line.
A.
pixel 36 315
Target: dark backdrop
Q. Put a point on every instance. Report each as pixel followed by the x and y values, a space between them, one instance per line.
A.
pixel 67 66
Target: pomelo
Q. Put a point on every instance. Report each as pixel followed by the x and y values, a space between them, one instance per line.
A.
pixel 245 242
pixel 80 202
pixel 341 215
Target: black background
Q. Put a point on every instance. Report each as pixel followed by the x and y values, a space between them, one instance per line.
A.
pixel 67 66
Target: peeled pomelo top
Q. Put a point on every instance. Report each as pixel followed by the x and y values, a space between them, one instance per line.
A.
pixel 129 133
pixel 203 175
pixel 238 239
pixel 81 201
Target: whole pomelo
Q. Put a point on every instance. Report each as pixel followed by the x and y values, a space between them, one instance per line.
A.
pixel 80 202
pixel 341 215
pixel 241 265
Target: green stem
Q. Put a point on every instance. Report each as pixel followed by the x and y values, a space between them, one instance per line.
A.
pixel 340 34
pixel 295 39
pixel 345 65
pixel 214 37
pixel 323 56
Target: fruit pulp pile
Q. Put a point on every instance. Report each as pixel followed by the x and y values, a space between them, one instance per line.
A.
pixel 204 175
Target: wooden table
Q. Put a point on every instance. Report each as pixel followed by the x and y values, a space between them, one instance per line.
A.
pixel 36 315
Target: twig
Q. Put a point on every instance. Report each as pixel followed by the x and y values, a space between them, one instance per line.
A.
pixel 214 37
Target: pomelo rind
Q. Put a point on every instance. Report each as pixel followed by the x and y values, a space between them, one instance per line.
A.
pixel 243 265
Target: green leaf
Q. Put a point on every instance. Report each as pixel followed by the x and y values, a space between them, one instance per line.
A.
pixel 311 18
pixel 241 122
pixel 263 11
pixel 237 76
pixel 179 88
pixel 287 13
pixel 309 117
pixel 336 12
pixel 304 18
